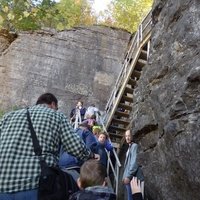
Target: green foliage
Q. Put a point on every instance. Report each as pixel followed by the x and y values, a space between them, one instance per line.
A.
pixel 46 14
pixel 127 14
pixel 34 14
pixel 17 15
pixel 73 13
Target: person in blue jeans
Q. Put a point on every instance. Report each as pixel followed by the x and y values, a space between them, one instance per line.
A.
pixel 131 168
pixel 19 166
pixel 24 195
pixel 70 163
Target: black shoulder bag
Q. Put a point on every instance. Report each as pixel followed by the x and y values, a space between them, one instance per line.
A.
pixel 54 184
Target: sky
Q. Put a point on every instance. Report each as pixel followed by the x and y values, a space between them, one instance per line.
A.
pixel 98 5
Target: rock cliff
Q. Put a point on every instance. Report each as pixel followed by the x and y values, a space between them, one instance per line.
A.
pixel 166 117
pixel 79 64
pixel 83 63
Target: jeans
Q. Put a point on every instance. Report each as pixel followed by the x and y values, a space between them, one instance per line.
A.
pixel 129 192
pixel 24 195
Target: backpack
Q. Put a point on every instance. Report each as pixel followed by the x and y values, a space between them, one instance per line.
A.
pixel 55 184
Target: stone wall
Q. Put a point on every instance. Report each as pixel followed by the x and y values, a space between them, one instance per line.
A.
pixel 166 118
pixel 79 64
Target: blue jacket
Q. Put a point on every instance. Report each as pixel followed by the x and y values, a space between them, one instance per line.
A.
pixel 88 138
pixel 82 112
pixel 108 145
pixel 67 160
pixel 101 150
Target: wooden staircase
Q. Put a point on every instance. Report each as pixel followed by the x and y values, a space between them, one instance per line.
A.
pixel 119 107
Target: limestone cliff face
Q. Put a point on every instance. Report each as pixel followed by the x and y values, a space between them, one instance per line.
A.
pixel 166 116
pixel 78 64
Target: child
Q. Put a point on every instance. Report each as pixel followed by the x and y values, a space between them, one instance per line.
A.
pixel 103 145
pixel 92 183
pixel 96 130
pixel 103 140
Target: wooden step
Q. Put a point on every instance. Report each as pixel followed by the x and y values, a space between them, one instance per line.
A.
pixel 116 128
pixel 116 139
pixel 125 106
pixel 121 121
pixel 132 81
pixel 122 114
pixel 143 54
pixel 135 74
pixel 127 98
pixel 128 90
pixel 116 135
pixel 140 64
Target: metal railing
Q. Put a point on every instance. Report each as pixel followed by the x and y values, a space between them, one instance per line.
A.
pixel 142 32
pixel 78 119
pixel 115 169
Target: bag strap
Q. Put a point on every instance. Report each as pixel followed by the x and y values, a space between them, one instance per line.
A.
pixel 36 145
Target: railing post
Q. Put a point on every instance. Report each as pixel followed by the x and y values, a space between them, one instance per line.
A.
pixel 77 118
pixel 138 38
pixel 148 49
pixel 141 30
pixel 117 181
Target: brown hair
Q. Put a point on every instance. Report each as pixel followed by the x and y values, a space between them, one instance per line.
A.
pixel 103 133
pixel 80 102
pixel 92 173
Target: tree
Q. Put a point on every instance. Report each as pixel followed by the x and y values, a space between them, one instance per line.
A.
pixel 73 13
pixel 33 14
pixel 127 14
pixel 47 14
pixel 17 15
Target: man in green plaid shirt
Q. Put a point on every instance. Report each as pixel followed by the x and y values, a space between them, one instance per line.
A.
pixel 19 166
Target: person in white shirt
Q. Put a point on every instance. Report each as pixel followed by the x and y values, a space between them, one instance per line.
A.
pixel 91 110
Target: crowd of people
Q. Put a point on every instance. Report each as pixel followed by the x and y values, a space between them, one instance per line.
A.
pixel 82 152
pixel 91 132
